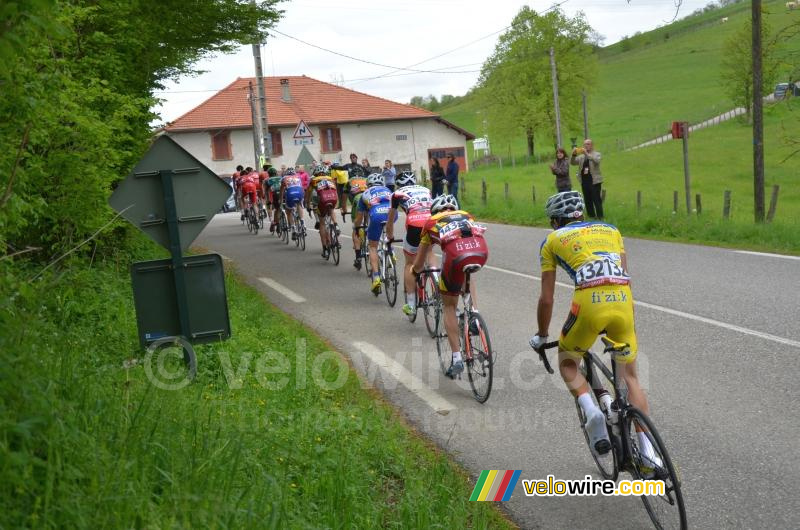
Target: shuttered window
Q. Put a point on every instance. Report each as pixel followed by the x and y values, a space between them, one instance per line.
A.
pixel 331 139
pixel 221 146
pixel 277 142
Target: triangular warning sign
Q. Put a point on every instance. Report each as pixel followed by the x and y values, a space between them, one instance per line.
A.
pixel 302 131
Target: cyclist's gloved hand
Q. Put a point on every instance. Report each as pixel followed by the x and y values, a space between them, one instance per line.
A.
pixel 537 342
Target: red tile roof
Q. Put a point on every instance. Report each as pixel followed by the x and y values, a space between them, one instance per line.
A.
pixel 314 101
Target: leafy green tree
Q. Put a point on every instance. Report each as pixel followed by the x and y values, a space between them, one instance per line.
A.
pixel 78 79
pixel 515 85
pixel 737 65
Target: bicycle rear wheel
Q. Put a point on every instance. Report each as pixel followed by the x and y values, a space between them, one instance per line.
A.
pixel 254 222
pixel 667 510
pixel 440 334
pixel 301 236
pixel 480 358
pixel 432 305
pixel 335 247
pixel 390 278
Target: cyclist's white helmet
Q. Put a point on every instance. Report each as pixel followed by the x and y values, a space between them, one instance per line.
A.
pixel 443 202
pixel 567 204
pixel 406 178
pixel 289 171
pixel 321 169
pixel 375 179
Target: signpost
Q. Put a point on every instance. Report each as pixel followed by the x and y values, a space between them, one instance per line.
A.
pixel 680 130
pixel 171 197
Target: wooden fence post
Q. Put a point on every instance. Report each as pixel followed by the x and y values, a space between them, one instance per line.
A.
pixel 505 191
pixel 483 191
pixel 514 161
pixel 638 202
pixel 674 202
pixel 500 162
pixel 726 205
pixel 698 204
pixel 533 192
pixel 773 203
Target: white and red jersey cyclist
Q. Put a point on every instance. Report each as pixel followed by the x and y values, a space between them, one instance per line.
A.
pixel 415 201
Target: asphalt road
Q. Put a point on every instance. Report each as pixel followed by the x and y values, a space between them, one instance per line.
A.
pixel 718 339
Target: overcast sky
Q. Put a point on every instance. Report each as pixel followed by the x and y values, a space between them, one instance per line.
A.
pixel 399 33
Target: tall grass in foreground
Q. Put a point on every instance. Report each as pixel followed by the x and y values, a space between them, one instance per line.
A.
pixel 88 442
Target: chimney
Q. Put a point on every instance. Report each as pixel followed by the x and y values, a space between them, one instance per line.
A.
pixel 285 95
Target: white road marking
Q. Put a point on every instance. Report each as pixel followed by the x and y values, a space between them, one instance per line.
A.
pixel 675 312
pixel 783 256
pixel 413 383
pixel 285 291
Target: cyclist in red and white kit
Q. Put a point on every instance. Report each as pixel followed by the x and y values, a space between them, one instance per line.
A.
pixel 415 201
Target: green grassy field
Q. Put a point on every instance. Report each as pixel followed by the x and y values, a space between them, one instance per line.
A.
pixel 720 159
pixel 668 74
pixel 86 441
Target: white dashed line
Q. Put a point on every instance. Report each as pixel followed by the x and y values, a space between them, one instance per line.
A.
pixel 413 383
pixel 285 291
pixel 675 312
pixel 767 254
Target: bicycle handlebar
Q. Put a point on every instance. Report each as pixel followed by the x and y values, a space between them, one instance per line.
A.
pixel 543 355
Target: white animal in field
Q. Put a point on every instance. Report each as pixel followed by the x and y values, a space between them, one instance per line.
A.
pixel 724 19
pixel 792 5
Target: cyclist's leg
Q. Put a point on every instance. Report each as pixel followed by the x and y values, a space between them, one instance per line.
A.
pixel 450 302
pixel 620 328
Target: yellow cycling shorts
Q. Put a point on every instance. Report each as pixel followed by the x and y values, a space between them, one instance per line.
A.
pixel 607 307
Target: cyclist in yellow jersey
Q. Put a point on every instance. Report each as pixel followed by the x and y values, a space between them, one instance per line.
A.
pixel 593 255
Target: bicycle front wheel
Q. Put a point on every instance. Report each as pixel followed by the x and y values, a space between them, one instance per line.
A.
pixel 390 278
pixel 480 358
pixel 666 510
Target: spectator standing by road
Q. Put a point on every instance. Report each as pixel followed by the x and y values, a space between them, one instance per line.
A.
pixel 305 178
pixel 451 175
pixel 437 178
pixel 367 167
pixel 389 173
pixel 588 162
pixel 561 170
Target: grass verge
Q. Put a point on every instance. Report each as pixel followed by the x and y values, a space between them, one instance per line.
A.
pixel 720 158
pixel 262 438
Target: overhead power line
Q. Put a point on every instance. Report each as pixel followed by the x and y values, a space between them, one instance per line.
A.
pixel 373 63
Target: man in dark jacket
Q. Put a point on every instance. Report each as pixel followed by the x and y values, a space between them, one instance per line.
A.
pixel 437 178
pixel 451 175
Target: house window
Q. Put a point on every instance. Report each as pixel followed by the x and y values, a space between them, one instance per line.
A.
pixel 221 146
pixel 331 139
pixel 400 137
pixel 277 143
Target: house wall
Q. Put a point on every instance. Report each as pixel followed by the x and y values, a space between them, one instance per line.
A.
pixel 374 141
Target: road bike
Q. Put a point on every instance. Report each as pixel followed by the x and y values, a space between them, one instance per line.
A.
pixel 387 268
pixel 333 238
pixel 262 213
pixel 363 251
pixel 624 422
pixel 474 343
pixel 251 218
pixel 428 299
pixel 298 230
pixel 282 229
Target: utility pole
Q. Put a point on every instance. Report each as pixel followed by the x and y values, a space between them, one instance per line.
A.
pixel 265 143
pixel 758 117
pixel 686 180
pixel 585 117
pixel 555 95
pixel 256 143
